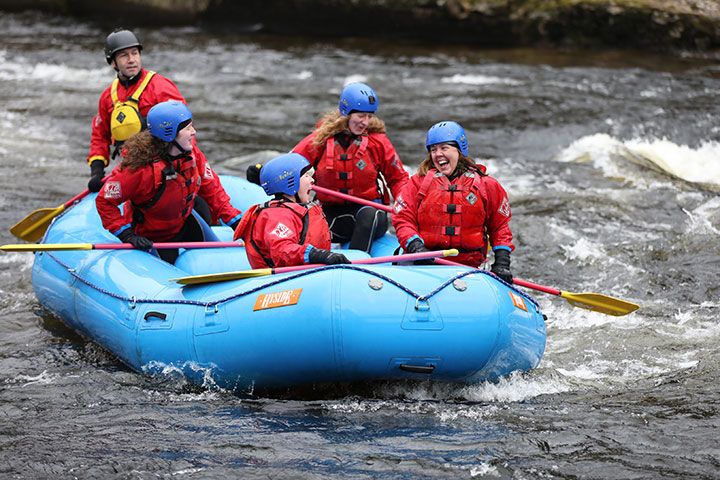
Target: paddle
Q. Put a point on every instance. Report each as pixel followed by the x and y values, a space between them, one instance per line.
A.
pixel 33 226
pixel 596 302
pixel 261 272
pixel 591 301
pixel 351 198
pixel 52 247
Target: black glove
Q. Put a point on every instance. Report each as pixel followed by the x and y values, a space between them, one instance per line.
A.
pixel 318 255
pixel 97 172
pixel 501 266
pixel 141 243
pixel 416 246
pixel 253 173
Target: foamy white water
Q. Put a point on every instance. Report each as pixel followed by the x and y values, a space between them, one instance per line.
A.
pixel 21 68
pixel 699 165
pixel 480 80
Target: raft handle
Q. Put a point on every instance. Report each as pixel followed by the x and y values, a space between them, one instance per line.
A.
pixel 427 369
pixel 422 307
pixel 159 315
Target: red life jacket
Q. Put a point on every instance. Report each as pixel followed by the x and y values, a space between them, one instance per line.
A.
pixel 177 183
pixel 314 231
pixel 453 214
pixel 348 171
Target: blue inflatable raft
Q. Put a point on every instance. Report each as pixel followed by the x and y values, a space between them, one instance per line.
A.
pixel 345 323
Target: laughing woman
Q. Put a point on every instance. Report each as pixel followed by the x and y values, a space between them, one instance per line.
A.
pixel 452 203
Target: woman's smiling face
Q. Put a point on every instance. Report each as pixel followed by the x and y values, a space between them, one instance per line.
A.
pixel 445 157
pixel 358 122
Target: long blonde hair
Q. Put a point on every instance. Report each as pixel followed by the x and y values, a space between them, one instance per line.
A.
pixel 142 149
pixel 465 164
pixel 332 123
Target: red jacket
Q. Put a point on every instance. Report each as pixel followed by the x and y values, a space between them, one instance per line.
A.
pixel 163 220
pixel 463 213
pixel 355 171
pixel 282 233
pixel 160 89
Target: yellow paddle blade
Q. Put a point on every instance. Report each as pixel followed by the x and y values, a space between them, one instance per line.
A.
pixel 33 227
pixel 452 252
pixel 222 277
pixel 598 302
pixel 45 247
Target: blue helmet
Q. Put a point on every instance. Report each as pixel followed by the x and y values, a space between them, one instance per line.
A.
pixel 165 119
pixel 358 97
pixel 447 132
pixel 282 174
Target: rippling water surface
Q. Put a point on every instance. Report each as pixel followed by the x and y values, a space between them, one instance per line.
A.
pixel 612 162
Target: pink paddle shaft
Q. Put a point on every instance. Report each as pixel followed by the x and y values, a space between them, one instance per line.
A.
pixel 409 257
pixel 351 198
pixel 516 281
pixel 165 245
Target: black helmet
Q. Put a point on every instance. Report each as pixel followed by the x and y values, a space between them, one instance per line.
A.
pixel 119 40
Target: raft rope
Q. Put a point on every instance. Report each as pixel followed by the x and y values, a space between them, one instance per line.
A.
pixel 214 304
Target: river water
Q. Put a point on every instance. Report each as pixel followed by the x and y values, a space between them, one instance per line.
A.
pixel 612 163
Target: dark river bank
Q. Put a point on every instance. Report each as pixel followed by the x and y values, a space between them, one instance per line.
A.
pixel 611 162
pixel 652 25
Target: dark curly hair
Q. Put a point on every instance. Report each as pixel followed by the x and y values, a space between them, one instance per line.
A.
pixel 142 149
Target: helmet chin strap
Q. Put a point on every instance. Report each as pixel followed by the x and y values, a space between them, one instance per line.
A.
pixel 182 151
pixel 125 80
pixel 290 198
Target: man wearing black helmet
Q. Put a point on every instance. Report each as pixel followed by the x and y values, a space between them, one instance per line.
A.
pixel 124 105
